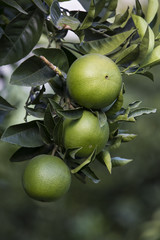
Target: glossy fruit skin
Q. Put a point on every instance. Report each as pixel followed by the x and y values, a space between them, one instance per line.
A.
pixel 85 133
pixel 94 81
pixel 46 178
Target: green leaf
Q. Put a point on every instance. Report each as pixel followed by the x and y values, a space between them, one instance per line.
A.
pixel 153 59
pixel 117 161
pixel 104 46
pixel 55 105
pixel 152 9
pixel 123 117
pixel 128 54
pixel 139 10
pixel 24 134
pixel 48 121
pixel 105 157
pixel 140 24
pixel 57 134
pixel 85 163
pixel 62 21
pixel 102 118
pixel 21 35
pixel 146 46
pixel 68 22
pixel 147 74
pixel 57 85
pixel 121 20
pixel 36 112
pixel 110 10
pixel 135 104
pixel 99 6
pixel 73 152
pixel 44 133
pixel 56 56
pixel 40 5
pixel 14 4
pixel 117 104
pixel 71 113
pixel 115 143
pixel 23 153
pixel 87 22
pixel 32 73
pixel 5 106
pixel 55 12
pixel 126 137
pixel 90 174
pixel 142 111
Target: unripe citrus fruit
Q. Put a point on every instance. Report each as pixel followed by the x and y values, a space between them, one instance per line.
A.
pixel 85 133
pixel 46 178
pixel 94 81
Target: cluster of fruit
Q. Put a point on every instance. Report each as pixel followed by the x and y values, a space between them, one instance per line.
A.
pixel 94 83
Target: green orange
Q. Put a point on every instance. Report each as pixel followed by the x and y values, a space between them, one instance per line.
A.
pixel 94 81
pixel 85 133
pixel 46 178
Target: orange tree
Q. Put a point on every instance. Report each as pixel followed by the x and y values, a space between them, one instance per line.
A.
pixel 130 40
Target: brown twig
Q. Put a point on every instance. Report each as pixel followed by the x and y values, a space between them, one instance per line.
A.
pixel 51 66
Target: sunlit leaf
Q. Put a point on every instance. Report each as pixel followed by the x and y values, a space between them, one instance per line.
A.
pixel 102 118
pixel 142 111
pixel 128 55
pixel 87 22
pixel 104 46
pixel 152 9
pixel 55 12
pixel 140 24
pixel 126 137
pixel 135 104
pixel 139 10
pixel 106 158
pixel 68 22
pixel 152 59
pixel 62 21
pixel 146 46
pixel 118 161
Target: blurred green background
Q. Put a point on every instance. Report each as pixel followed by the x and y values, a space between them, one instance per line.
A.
pixel 123 206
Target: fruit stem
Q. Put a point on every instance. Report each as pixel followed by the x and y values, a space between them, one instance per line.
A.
pixel 54 150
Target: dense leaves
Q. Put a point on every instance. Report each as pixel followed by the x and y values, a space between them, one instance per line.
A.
pixel 20 36
pixel 128 38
